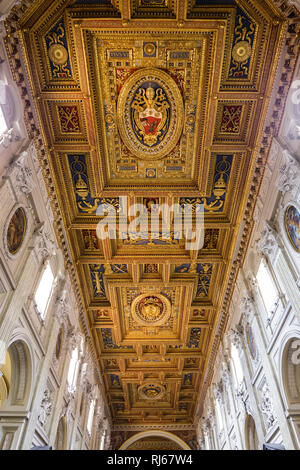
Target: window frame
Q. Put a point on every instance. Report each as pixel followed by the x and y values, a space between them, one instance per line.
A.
pixel 43 315
pixel 269 311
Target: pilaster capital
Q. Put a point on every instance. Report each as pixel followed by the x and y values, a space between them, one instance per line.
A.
pixel 289 174
pixel 42 243
pixel 269 240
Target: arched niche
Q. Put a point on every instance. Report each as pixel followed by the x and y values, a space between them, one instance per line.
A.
pixel 157 435
pixel 289 374
pixel 5 379
pixel 251 437
pixel 61 435
pixel 21 374
pixel 290 370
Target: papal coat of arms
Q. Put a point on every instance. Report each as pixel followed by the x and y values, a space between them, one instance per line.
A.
pixel 150 113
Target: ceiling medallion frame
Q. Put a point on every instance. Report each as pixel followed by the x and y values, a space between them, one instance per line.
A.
pixel 22 233
pixel 151 310
pixel 144 391
pixel 166 86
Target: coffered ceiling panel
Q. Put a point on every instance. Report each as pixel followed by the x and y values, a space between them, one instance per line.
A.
pixel 152 102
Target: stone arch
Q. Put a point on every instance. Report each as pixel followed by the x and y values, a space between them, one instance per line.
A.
pixel 61 435
pixel 164 435
pixel 21 373
pixel 251 437
pixel 290 368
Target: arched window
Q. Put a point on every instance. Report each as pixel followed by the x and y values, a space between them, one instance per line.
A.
pixel 6 108
pixel 207 443
pixel 3 125
pixel 267 288
pixel 251 434
pixel 219 416
pixel 238 375
pixel 73 370
pixel 90 417
pixel 60 441
pixel 10 117
pixel 43 291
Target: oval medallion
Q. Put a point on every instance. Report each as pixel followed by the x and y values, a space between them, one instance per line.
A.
pixel 16 231
pixel 150 114
pixel 151 309
pixel 292 226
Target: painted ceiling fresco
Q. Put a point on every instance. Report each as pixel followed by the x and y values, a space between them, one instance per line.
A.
pixel 161 101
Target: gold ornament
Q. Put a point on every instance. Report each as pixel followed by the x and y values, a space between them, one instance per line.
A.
pixel 151 310
pixel 241 51
pixel 58 54
pixel 150 113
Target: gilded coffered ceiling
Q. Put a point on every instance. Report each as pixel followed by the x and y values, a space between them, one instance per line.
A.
pixel 162 101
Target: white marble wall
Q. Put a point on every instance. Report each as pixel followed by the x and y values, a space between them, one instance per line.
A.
pixel 40 410
pixel 268 397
